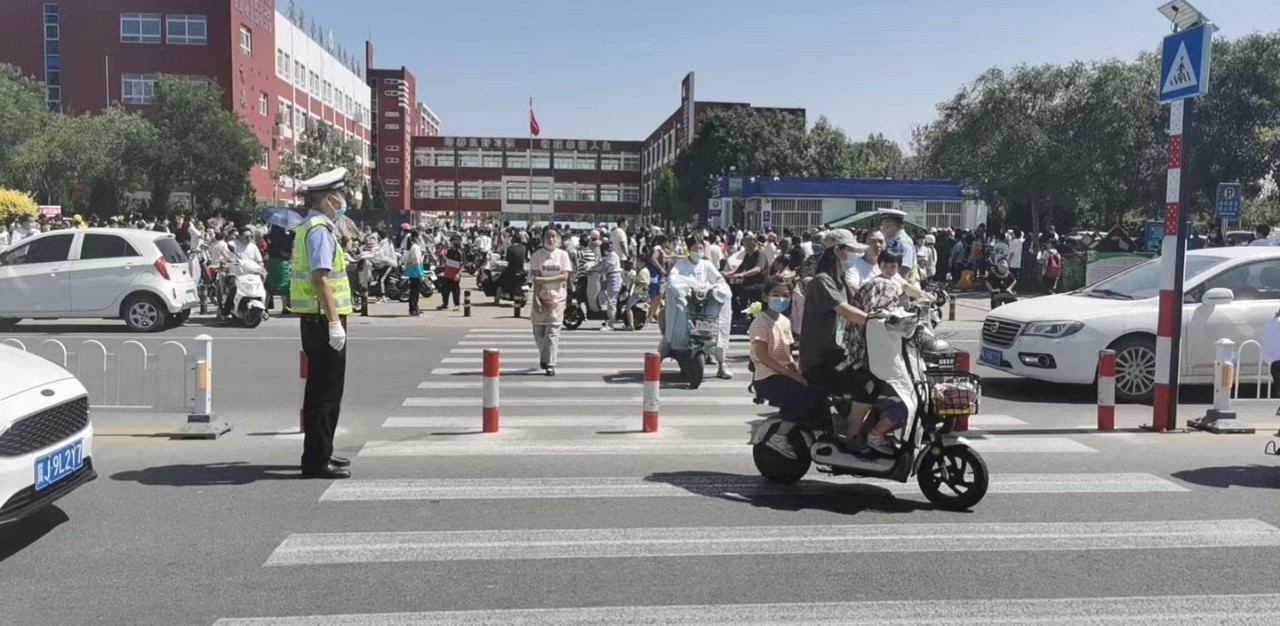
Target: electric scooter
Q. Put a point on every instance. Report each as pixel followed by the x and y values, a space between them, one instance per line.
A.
pixel 250 302
pixel 950 473
pixel 588 289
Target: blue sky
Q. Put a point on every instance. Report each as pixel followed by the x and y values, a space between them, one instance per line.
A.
pixel 609 69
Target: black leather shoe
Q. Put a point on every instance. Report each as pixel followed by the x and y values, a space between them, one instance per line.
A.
pixel 339 461
pixel 330 472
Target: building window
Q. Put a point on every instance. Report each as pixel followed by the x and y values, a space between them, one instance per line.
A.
pixel 391 127
pixel 283 65
pixel 393 148
pixel 518 160
pixel 586 193
pixel 630 162
pixel 610 162
pixel 389 81
pixel 315 84
pixel 138 88
pixel 564 192
pixel 610 193
pixel 630 193
pixel 262 104
pixel 444 159
pixel 470 158
pixel 299 74
pixel 392 160
pixel 444 190
pixel 491 159
pixel 541 160
pixel 863 206
pixel 469 190
pixel 422 188
pixel 299 120
pixel 140 28
pixel 491 190
pixel 944 214
pixel 188 30
pixel 391 114
pixel 565 161
pixel 391 182
pixel 246 40
pixel 392 94
pixel 393 194
pixel 586 161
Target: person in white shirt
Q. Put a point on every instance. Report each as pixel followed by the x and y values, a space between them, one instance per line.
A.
pixel 1015 254
pixel 609 266
pixel 618 237
pixel 245 258
pixel 26 230
pixel 863 267
pixel 1261 235
pixel 713 251
pixel 4 236
pixel 1000 251
pixel 928 257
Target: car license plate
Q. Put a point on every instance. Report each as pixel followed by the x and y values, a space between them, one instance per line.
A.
pixel 191 297
pixel 57 465
pixel 991 357
pixel 705 327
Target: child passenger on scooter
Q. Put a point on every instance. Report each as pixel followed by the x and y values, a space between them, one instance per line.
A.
pixel 777 377
pixel 881 293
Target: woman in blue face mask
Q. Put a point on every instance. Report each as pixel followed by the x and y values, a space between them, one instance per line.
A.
pixel 699 270
pixel 777 377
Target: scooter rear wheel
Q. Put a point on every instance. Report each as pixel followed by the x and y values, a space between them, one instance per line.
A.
pixel 573 317
pixel 253 317
pixel 777 468
pixel 965 482
pixel 638 318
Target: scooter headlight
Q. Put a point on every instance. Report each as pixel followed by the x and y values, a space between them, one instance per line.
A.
pixel 1053 330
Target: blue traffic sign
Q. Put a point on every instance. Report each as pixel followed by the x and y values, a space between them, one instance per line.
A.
pixel 1229 200
pixel 1184 64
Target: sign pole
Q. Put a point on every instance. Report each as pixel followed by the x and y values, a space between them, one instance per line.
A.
pixel 1173 258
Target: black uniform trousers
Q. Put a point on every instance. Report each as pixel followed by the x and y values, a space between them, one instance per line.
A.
pixel 326 376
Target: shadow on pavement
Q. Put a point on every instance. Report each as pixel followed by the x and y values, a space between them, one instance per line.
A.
pixel 843 499
pixel 58 329
pixel 1252 476
pixel 16 538
pixel 208 474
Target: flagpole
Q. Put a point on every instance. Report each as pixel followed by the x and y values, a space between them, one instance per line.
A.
pixel 530 181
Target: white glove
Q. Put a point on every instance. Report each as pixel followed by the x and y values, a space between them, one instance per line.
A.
pixel 337 336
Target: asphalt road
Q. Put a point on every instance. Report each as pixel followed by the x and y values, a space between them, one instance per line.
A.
pixel 571 515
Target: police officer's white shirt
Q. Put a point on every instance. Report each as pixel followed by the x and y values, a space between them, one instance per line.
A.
pixel 902 245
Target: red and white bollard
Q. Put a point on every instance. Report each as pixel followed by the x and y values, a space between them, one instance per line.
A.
pixel 962 366
pixel 490 403
pixel 652 382
pixel 1106 390
pixel 302 390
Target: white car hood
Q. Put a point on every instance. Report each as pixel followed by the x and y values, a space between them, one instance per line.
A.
pixel 21 371
pixel 1064 307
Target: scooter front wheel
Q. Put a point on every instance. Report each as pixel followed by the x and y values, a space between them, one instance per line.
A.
pixel 573 317
pixel 253 317
pixel 695 370
pixel 956 479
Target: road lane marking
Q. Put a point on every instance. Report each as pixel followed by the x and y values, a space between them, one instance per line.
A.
pixel 713 485
pixel 1220 610
pixel 740 400
pixel 556 383
pixel 657 446
pixel 535 421
pixel 695 541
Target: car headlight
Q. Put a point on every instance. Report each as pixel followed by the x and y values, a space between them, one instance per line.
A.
pixel 1055 330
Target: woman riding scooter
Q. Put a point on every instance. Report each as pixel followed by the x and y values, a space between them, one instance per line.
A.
pixel 693 272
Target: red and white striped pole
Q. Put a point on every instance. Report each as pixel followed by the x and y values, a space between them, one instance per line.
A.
pixel 302 390
pixel 492 370
pixel 1172 261
pixel 962 366
pixel 652 381
pixel 1106 390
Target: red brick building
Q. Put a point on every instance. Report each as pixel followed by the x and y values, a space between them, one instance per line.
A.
pixel 572 179
pixel 397 116
pixel 279 78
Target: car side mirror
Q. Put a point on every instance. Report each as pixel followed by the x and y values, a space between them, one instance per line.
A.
pixel 1218 296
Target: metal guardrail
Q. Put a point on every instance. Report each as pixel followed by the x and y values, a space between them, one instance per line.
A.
pixel 106 376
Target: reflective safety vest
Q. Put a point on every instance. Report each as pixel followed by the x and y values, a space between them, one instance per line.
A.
pixel 302 293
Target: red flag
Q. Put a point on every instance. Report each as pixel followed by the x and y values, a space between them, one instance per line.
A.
pixel 534 129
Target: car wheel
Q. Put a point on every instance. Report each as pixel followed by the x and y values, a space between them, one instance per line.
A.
pixel 9 322
pixel 144 314
pixel 1135 369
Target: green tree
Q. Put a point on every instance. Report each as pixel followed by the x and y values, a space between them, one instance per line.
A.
pixel 753 142
pixel 828 151
pixel 320 148
pixel 667 203
pixel 23 115
pixel 202 147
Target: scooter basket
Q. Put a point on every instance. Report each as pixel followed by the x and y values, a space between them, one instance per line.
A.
pixel 955 394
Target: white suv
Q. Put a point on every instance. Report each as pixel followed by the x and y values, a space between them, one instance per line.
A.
pixel 46 438
pixel 140 276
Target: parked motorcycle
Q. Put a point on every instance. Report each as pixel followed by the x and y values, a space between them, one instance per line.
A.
pixel 950 473
pixel 501 285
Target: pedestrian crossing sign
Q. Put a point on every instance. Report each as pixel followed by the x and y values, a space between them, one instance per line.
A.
pixel 1184 63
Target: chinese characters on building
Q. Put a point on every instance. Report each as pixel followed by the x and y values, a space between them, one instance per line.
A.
pixel 544 144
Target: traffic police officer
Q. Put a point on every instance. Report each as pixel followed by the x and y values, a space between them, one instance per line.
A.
pixel 321 296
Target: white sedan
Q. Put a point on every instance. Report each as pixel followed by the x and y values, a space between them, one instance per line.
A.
pixel 1230 293
pixel 46 438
